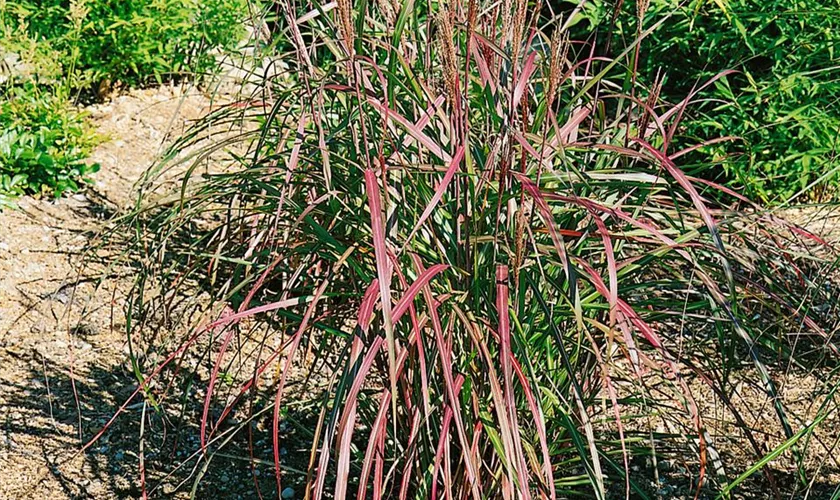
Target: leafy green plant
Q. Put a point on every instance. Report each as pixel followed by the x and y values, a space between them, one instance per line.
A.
pixel 53 50
pixel 782 103
pixel 482 254
pixel 44 143
pixel 135 42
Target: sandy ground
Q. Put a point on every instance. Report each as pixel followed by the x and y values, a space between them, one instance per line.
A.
pixel 55 330
pixel 63 362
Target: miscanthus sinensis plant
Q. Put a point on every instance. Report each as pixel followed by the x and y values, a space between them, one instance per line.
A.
pixel 477 234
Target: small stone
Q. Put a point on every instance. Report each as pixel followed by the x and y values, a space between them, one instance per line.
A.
pixel 4 246
pixel 287 493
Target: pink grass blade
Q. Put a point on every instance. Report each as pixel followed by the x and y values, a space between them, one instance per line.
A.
pixel 611 266
pixel 421 123
pixel 421 350
pixel 650 335
pixel 347 418
pixel 502 309
pixel 683 181
pixel 539 421
pixel 378 428
pixel 384 270
pixel 483 68
pixel 379 468
pixel 343 466
pixel 408 297
pixel 409 462
pixel 565 133
pixel 368 303
pixel 227 320
pixel 681 106
pixel 210 385
pixel 275 427
pixel 444 183
pixel 449 383
pixel 524 77
pixel 312 14
pixel 214 374
pixel 608 384
pixel 414 131
pixel 442 440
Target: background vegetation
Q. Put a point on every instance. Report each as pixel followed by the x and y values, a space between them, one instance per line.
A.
pixel 783 103
pixel 782 107
pixel 58 54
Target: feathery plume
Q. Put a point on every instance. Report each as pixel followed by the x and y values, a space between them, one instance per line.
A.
pixel 507 19
pixel 641 9
pixel 344 11
pixel 558 52
pixel 650 102
pixel 472 15
pixel 446 37
pixel 519 15
pixel 389 11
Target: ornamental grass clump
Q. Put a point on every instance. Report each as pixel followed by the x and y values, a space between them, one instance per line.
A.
pixel 473 250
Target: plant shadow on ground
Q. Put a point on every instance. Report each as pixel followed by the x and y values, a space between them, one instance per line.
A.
pixel 60 389
pixel 45 412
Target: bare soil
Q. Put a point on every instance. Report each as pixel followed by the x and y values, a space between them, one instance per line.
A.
pixel 63 362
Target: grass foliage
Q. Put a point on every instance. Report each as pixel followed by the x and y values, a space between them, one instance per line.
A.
pixel 481 266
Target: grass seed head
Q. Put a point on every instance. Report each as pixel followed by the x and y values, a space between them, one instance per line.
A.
pixel 518 33
pixel 388 10
pixel 507 20
pixel 650 102
pixel 641 9
pixel 446 38
pixel 558 52
pixel 346 29
pixel 472 15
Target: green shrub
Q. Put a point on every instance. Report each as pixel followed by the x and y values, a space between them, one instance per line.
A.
pixel 136 42
pixel 44 142
pixel 784 101
pixel 52 49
